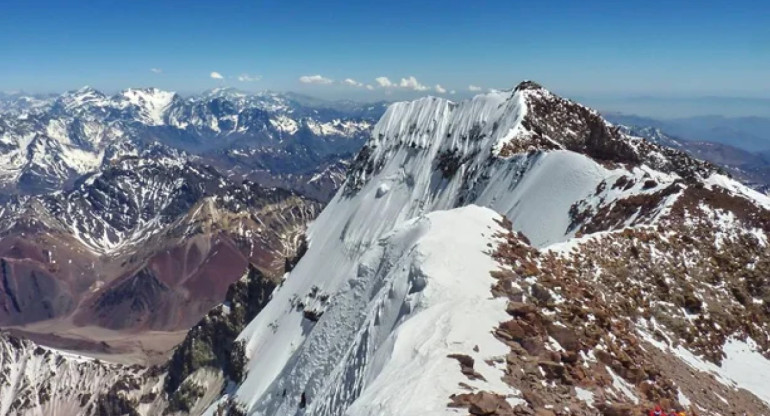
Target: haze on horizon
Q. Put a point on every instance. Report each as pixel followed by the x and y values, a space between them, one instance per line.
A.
pixel 661 59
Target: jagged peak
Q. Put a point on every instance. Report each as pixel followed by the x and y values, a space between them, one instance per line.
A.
pixel 503 124
pixel 528 85
pixel 83 92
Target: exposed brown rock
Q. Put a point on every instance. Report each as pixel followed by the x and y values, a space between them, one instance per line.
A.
pixel 466 366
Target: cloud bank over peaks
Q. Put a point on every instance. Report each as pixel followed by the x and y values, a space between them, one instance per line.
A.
pixel 411 83
pixel 384 82
pixel 352 82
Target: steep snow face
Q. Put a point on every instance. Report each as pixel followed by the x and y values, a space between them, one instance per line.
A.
pixel 435 154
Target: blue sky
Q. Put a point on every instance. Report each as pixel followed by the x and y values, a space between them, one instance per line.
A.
pixel 597 49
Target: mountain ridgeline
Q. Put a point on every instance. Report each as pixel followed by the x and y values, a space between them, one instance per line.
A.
pixel 512 254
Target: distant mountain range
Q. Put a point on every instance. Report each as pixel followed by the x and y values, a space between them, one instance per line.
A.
pixel 47 142
pixel 747 133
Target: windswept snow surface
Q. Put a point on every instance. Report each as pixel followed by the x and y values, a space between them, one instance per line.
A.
pixel 381 347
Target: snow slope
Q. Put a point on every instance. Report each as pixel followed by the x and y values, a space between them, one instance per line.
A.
pixel 150 104
pixel 449 311
pixel 416 296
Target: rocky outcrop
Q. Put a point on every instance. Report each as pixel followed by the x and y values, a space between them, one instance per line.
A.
pixel 553 122
pixel 583 319
pixel 211 343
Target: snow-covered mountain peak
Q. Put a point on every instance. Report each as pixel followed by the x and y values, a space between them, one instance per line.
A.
pixel 224 92
pixel 149 103
pixel 355 318
pixel 85 96
pixel 501 124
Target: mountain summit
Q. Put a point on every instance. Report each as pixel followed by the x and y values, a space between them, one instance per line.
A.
pixel 513 254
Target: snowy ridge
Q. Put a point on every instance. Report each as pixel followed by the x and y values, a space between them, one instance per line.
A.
pixel 447 309
pixel 424 156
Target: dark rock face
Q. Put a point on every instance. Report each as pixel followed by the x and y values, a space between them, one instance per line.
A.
pixel 482 404
pixel 583 130
pixel 29 292
pixel 211 343
pixel 114 404
pixel 136 299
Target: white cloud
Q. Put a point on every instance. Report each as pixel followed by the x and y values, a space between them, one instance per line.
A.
pixel 156 70
pixel 315 79
pixel 384 82
pixel 411 83
pixel 453 92
pixel 369 87
pixel 473 88
pixel 440 89
pixel 249 78
pixel 216 75
pixel 352 82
